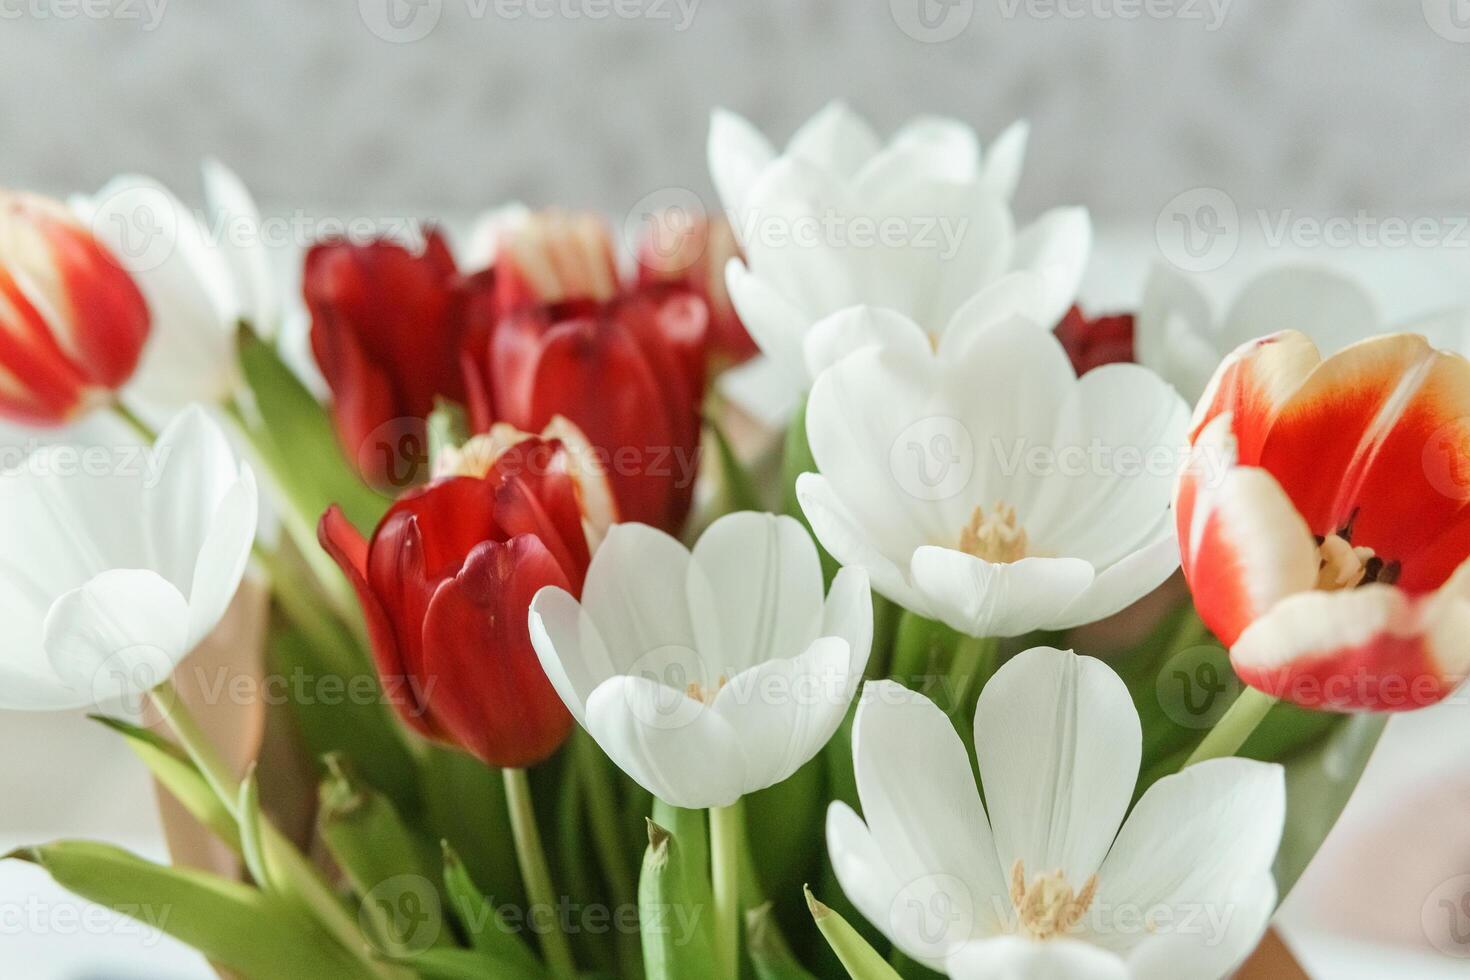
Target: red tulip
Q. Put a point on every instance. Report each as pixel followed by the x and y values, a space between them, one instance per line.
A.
pixel 626 366
pixel 690 252
pixel 1093 342
pixel 445 584
pixel 72 322
pixel 1323 520
pixel 386 327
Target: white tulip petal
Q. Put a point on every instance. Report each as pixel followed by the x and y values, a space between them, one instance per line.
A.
pixel 923 809
pixel 198 471
pixel 1219 938
pixel 774 324
pixel 677 749
pixel 1020 295
pixel 836 139
pixel 1017 958
pixel 869 882
pixel 848 613
pixel 223 556
pixel 926 148
pixel 960 239
pixel 1197 843
pixel 1125 581
pixel 1004 157
pixel 984 599
pixel 636 593
pixel 764 598
pixel 833 337
pixel 27 681
pixel 569 647
pixel 1056 246
pixel 234 214
pixel 1058 742
pixel 122 633
pixel 783 711
pixel 1328 307
pixel 848 542
pixel 737 154
pixel 1172 332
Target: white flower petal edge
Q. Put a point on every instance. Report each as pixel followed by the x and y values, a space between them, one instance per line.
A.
pixel 114 578
pixel 910 442
pixel 1183 889
pixel 707 675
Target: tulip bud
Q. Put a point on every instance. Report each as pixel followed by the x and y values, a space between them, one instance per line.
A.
pixel 72 322
pixel 684 251
pixel 445 584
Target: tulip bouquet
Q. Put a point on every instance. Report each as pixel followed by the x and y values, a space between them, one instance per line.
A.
pixel 867 657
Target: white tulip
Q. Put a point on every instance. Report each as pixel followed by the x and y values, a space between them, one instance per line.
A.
pixel 918 226
pixel 707 675
pixel 987 486
pixel 1038 880
pixel 201 273
pixel 1176 333
pixel 118 563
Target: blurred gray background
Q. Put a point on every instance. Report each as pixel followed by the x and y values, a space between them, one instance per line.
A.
pixel 1326 105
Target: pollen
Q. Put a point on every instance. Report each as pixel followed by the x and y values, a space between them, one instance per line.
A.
pixel 696 691
pixel 1046 907
pixel 1343 565
pixel 995 537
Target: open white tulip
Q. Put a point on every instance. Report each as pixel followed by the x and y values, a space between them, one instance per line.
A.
pixel 987 486
pixel 118 563
pixel 711 674
pixel 201 273
pixel 917 226
pixel 1038 881
pixel 1176 333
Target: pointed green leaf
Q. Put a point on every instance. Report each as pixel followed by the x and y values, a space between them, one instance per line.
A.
pixel 492 937
pixel 769 953
pixel 463 964
pixel 176 773
pixel 232 924
pixel 674 913
pixel 248 813
pixel 860 960
pixel 740 490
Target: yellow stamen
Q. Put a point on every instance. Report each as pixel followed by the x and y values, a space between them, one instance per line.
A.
pixel 997 537
pixel 1342 565
pixel 696 691
pixel 1047 907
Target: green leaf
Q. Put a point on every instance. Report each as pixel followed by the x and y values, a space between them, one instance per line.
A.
pixel 860 960
pixel 769 953
pixel 466 807
pixel 675 908
pixel 176 773
pixel 463 964
pixel 251 848
pixel 449 428
pixel 232 924
pixel 740 491
pixel 490 935
pixel 1319 781
pixel 297 441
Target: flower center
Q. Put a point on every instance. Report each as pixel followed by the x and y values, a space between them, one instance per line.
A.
pixel 995 537
pixel 1343 565
pixel 697 691
pixel 1047 907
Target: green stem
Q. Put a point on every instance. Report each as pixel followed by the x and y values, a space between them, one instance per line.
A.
pixel 724 842
pixel 135 423
pixel 975 660
pixel 602 811
pixel 280 853
pixel 1231 731
pixel 534 870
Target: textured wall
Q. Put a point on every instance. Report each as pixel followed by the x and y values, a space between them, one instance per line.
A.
pixel 1322 104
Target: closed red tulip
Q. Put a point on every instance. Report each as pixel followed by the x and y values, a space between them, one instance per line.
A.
pixel 686 251
pixel 1094 341
pixel 72 321
pixel 1323 520
pixel 625 365
pixel 386 327
pixel 445 583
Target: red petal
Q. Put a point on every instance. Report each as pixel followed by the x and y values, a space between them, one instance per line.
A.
pixel 1252 384
pixel 488 691
pixel 536 495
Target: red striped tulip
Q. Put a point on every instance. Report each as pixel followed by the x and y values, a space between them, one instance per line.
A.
pixel 625 365
pixel 445 584
pixel 72 322
pixel 1323 520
